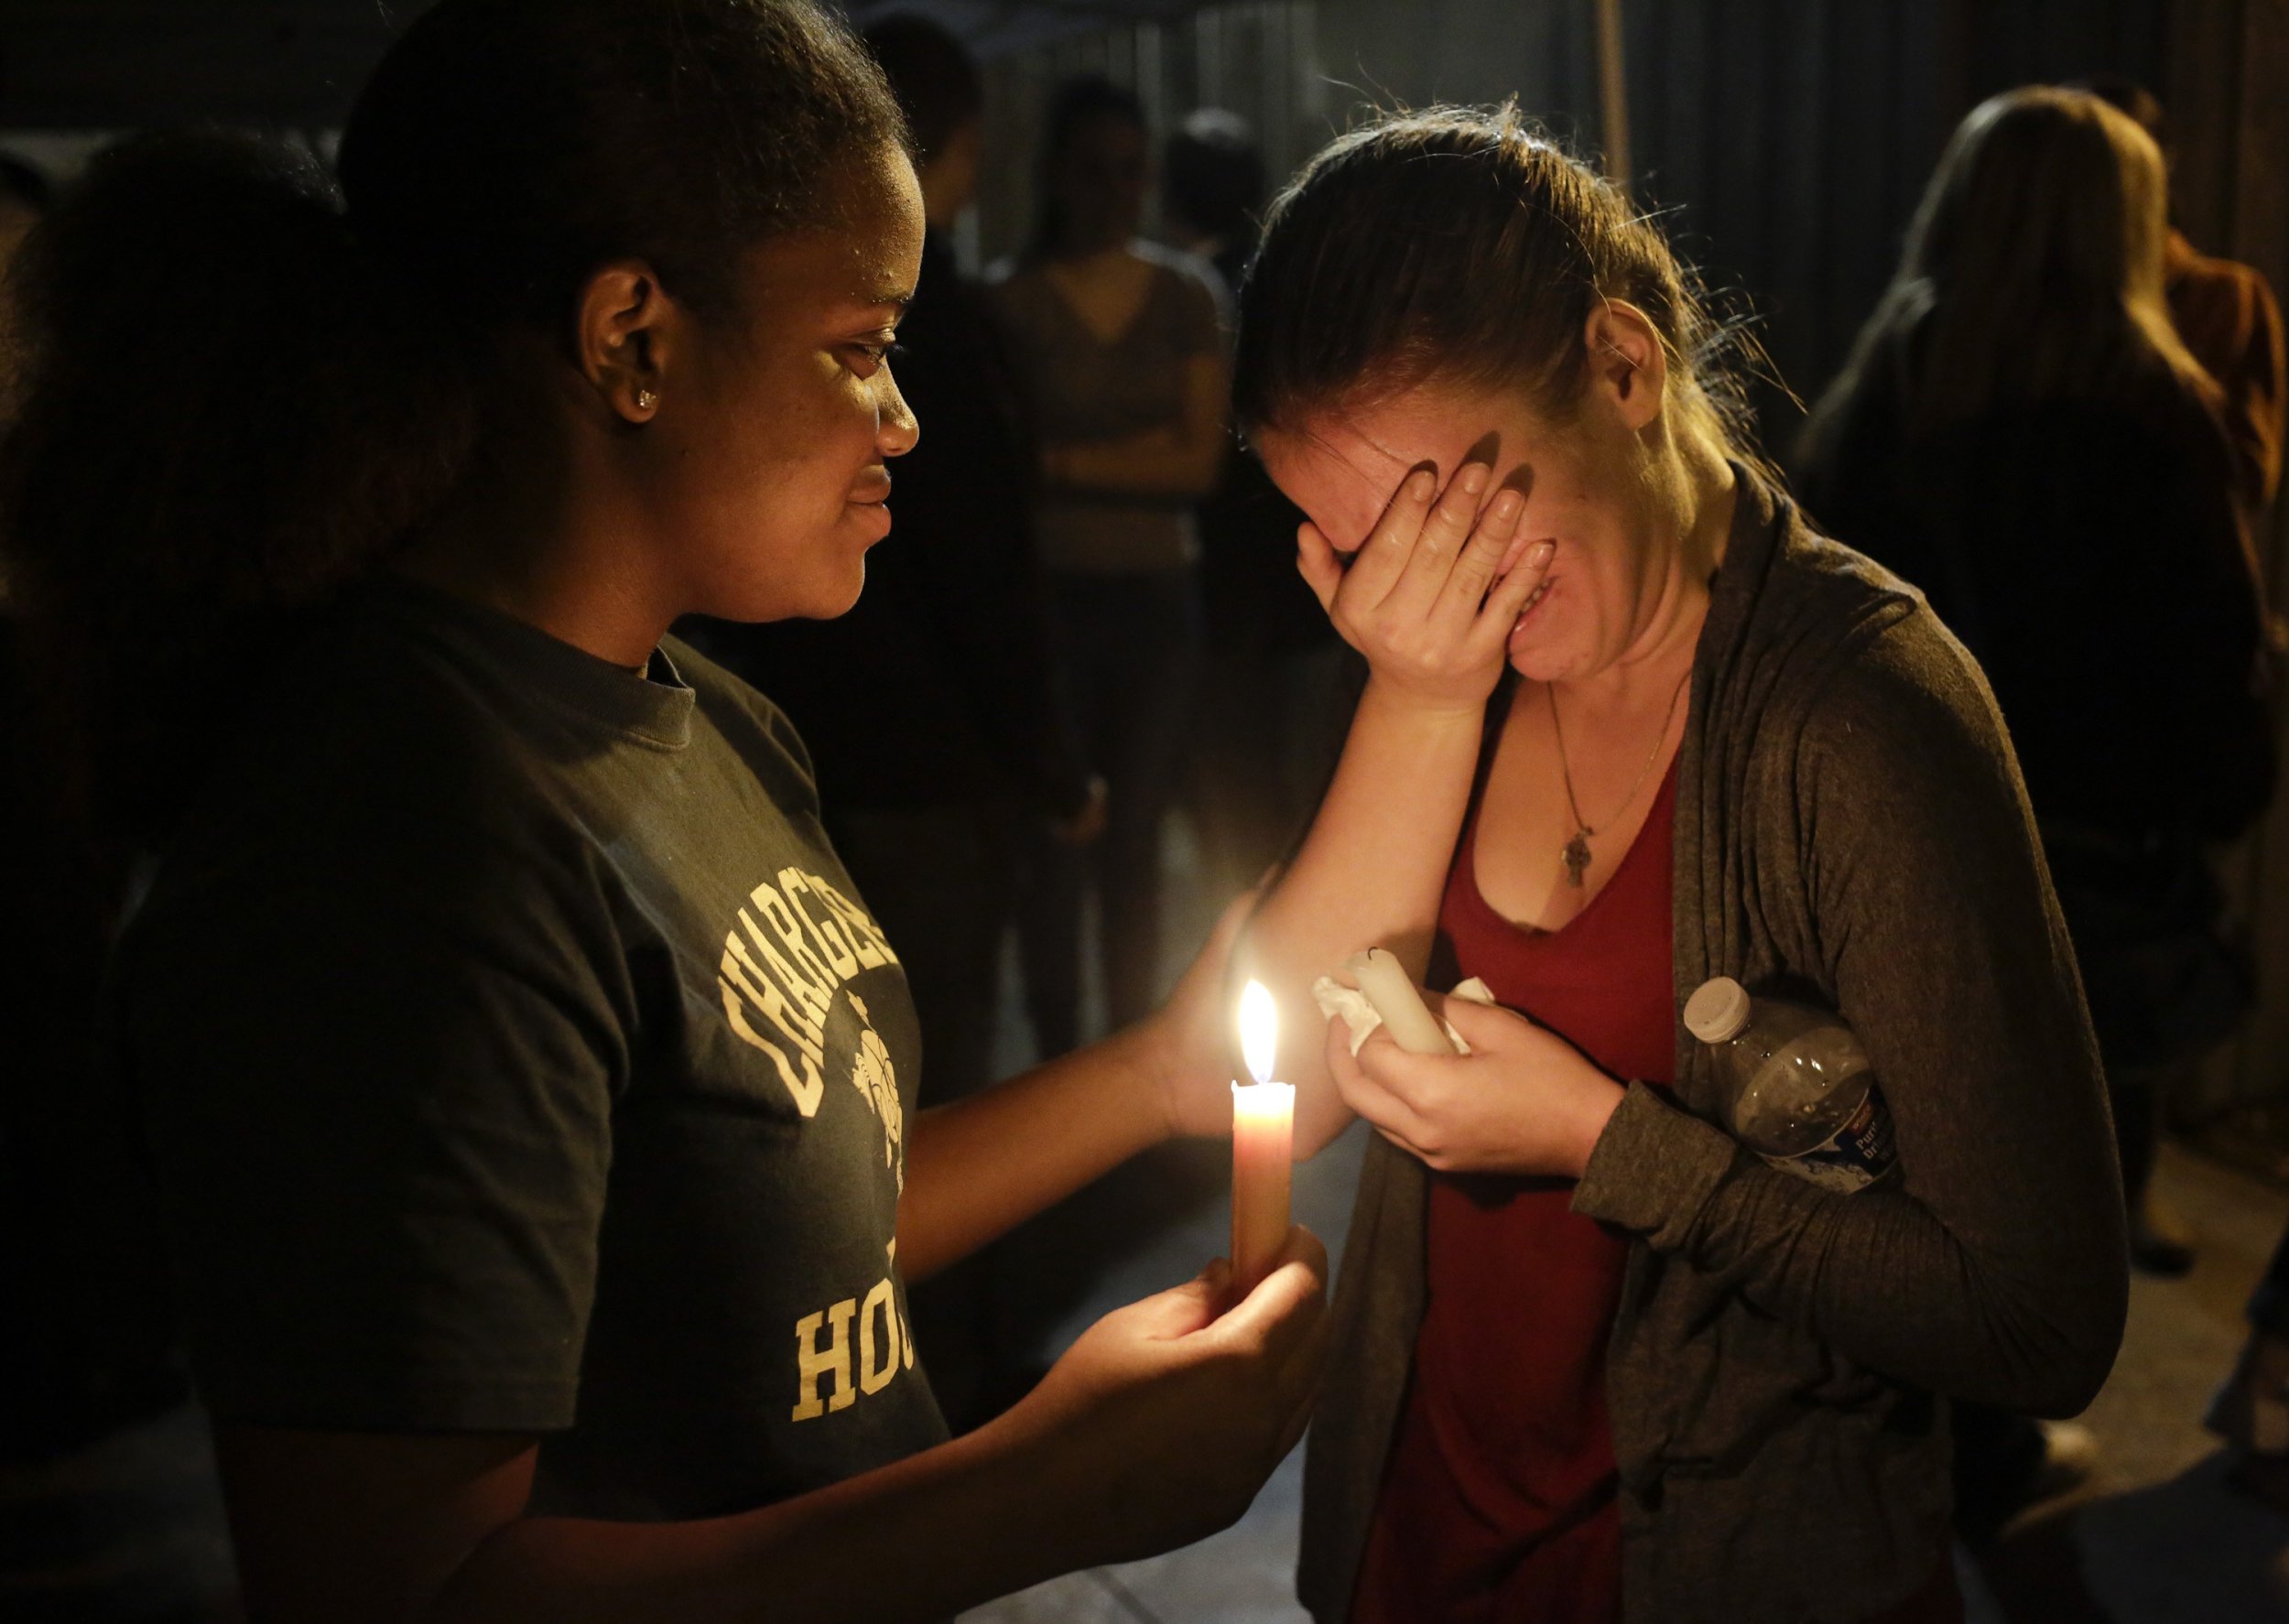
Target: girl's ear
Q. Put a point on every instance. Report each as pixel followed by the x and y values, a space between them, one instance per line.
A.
pixel 1627 364
pixel 627 339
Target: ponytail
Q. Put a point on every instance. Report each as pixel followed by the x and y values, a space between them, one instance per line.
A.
pixel 221 413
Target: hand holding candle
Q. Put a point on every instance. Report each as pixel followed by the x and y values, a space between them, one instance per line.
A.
pixel 1262 1146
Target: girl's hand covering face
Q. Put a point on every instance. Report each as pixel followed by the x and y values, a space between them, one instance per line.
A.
pixel 1432 594
pixel 1524 1101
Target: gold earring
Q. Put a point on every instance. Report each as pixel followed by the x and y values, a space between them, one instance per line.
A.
pixel 646 400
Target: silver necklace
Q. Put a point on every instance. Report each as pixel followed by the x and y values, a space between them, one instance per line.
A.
pixel 1576 855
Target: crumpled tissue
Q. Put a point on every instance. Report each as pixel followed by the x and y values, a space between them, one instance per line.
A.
pixel 1360 1016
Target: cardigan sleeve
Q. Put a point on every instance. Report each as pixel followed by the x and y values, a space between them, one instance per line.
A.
pixel 1995 1268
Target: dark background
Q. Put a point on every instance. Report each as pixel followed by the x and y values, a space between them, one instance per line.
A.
pixel 1783 143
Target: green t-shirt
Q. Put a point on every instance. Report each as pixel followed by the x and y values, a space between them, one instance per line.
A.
pixel 515 1055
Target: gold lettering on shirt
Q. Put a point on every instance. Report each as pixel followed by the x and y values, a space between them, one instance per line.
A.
pixel 876 1080
pixel 739 992
pixel 813 1362
pixel 825 926
pixel 828 1379
pixel 800 954
pixel 762 956
pixel 795 945
pixel 881 1301
pixel 866 937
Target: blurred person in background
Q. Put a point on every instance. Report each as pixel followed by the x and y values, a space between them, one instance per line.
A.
pixel 2021 432
pixel 932 709
pixel 108 1506
pixel 1121 346
pixel 2227 318
pixel 2231 321
pixel 2226 315
pixel 1213 189
pixel 1272 699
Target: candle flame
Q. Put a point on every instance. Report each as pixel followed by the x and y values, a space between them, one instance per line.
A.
pixel 1259 1031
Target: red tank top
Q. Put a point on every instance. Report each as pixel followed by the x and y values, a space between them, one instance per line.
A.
pixel 1498 1499
pixel 1497 1502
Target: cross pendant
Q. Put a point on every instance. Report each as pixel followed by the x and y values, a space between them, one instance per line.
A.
pixel 1577 858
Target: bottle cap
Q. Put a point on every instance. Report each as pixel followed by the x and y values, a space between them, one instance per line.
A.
pixel 1718 1010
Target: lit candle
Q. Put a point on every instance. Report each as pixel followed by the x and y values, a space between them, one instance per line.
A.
pixel 1262 1146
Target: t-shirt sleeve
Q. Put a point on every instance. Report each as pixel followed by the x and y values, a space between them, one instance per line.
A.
pixel 378 1097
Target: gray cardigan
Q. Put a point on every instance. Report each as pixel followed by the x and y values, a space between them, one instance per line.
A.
pixel 1849 824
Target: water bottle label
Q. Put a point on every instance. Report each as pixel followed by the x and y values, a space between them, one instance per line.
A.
pixel 1860 1153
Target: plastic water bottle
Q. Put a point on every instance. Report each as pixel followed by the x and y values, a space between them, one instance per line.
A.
pixel 1803 1097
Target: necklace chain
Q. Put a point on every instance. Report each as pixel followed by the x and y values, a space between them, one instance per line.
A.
pixel 1575 853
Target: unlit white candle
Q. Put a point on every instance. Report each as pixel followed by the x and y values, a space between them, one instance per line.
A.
pixel 1391 989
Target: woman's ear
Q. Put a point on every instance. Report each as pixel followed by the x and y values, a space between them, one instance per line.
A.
pixel 1627 364
pixel 627 339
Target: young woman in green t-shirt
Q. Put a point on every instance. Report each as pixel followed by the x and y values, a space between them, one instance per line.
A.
pixel 354 529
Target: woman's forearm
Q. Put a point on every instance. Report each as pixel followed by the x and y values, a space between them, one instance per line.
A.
pixel 1162 462
pixel 918 1540
pixel 2028 1323
pixel 979 1166
pixel 1156 1428
pixel 1369 874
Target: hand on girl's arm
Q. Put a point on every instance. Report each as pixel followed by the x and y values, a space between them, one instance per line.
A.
pixel 1523 1101
pixel 1156 1428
